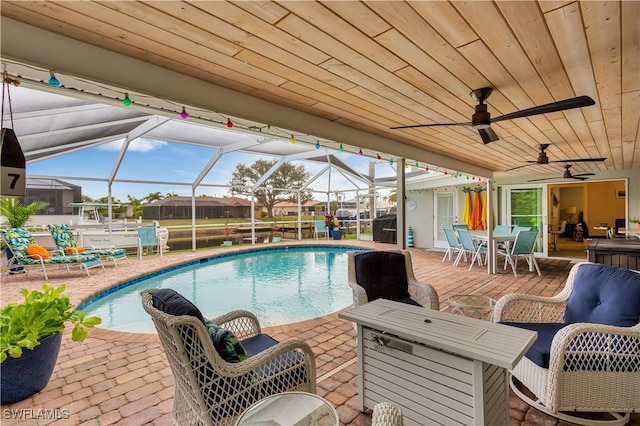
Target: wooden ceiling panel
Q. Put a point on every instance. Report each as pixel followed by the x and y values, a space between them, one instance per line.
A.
pixel 376 64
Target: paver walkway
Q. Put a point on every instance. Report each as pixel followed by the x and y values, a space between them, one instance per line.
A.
pixel 124 378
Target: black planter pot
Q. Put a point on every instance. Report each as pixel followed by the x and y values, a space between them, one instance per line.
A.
pixel 29 374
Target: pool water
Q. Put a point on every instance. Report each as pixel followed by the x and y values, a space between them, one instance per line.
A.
pixel 280 286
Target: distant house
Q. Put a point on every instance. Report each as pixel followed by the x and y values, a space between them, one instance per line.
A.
pixel 206 208
pixel 58 193
pixel 289 208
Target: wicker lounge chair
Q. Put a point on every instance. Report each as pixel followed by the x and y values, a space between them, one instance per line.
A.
pixel 65 242
pixel 18 239
pixel 587 355
pixel 210 390
pixel 387 275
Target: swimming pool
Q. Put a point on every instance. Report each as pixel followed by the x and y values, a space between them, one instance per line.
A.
pixel 279 285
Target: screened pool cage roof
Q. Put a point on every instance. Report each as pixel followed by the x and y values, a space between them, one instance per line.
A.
pixel 50 122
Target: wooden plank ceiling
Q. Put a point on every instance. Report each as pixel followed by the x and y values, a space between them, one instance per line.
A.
pixel 375 65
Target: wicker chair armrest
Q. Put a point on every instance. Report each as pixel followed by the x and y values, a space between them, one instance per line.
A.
pixel 243 324
pixel 359 294
pixel 518 307
pixel 424 294
pixel 588 346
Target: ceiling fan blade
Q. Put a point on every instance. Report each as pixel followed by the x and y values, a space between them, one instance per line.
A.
pixel 549 178
pixel 578 160
pixel 488 135
pixel 531 163
pixel 431 125
pixel 579 102
pixel 584 174
pixel 578 177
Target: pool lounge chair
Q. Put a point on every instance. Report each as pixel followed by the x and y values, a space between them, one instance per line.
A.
pixel 18 239
pixel 65 242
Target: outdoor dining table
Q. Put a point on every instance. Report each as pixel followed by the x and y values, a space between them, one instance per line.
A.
pixel 483 237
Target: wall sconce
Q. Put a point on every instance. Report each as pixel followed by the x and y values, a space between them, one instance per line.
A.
pixel 570 212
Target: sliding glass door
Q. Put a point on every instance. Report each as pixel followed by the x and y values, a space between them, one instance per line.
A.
pixel 526 205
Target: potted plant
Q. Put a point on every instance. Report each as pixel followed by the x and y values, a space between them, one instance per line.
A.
pixel 30 337
pixel 635 220
pixel 16 215
pixel 329 221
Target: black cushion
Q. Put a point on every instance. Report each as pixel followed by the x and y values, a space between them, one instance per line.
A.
pixel 382 274
pixel 171 302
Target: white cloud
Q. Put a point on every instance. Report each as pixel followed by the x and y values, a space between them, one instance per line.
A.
pixel 138 145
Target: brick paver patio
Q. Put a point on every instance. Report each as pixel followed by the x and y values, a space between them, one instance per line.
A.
pixel 124 378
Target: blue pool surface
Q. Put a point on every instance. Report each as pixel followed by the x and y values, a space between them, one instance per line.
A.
pixel 279 285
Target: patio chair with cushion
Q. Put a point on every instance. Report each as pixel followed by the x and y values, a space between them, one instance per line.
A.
pixel 223 365
pixel 387 274
pixel 65 242
pixel 27 254
pixel 587 354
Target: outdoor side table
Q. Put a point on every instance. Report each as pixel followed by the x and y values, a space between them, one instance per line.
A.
pixel 472 305
pixel 290 408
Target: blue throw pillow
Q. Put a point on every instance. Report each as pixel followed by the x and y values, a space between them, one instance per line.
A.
pixel 226 343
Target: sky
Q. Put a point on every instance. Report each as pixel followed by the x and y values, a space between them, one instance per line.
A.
pixel 153 160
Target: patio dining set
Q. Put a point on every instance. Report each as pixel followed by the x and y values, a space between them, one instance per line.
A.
pixel 511 243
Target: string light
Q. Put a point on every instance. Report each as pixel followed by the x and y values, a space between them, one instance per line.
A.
pixel 229 123
pixel 184 114
pixel 53 81
pixel 426 169
pixel 378 157
pixel 341 149
pixel 417 165
pixel 293 139
pixel 391 162
pixel 318 145
pixel 360 152
pixel 126 101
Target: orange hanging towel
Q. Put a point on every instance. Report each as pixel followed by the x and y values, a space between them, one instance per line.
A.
pixel 476 215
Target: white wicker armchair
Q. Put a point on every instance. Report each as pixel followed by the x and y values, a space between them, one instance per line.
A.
pixel 593 364
pixel 212 391
pixel 392 272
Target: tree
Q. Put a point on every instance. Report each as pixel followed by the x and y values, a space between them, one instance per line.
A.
pixel 16 213
pixel 286 176
pixel 154 196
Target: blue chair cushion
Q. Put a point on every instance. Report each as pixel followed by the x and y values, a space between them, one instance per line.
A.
pixel 292 362
pixel 540 351
pixel 171 302
pixel 226 343
pixel 604 294
pixel 382 275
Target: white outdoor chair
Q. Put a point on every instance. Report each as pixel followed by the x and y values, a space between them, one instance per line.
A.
pixel 387 274
pixel 556 232
pixel 210 390
pixel 587 354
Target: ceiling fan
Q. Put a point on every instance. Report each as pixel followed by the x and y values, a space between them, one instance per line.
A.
pixel 481 120
pixel 567 175
pixel 543 159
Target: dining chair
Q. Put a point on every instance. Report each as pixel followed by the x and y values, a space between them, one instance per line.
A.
pixel 457 226
pixel 501 229
pixel 524 246
pixel 476 250
pixel 517 229
pixel 454 244
pixel 556 232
